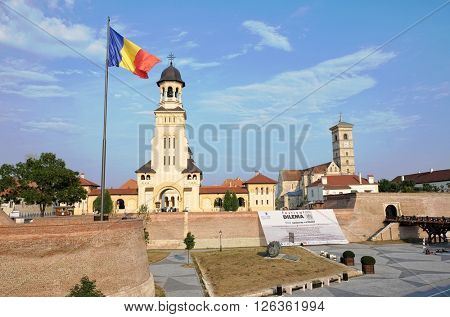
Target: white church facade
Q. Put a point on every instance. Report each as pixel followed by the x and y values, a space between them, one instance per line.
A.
pixel 170 180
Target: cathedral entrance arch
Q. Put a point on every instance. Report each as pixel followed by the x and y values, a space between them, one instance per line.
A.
pixel 169 199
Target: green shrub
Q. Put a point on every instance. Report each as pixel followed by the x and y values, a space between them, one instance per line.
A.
pixel 348 254
pixel 86 288
pixel 107 203
pixel 368 260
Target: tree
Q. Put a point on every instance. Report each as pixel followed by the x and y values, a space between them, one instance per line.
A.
pixel 227 201
pixel 189 241
pixel 46 181
pixel 230 201
pixel 86 288
pixel 407 187
pixel 385 185
pixel 8 183
pixel 107 203
pixel 234 202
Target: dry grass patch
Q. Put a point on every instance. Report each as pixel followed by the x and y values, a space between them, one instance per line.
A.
pixel 159 291
pixel 156 255
pixel 234 272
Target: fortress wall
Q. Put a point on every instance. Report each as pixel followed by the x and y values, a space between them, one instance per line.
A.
pixel 360 215
pixel 239 229
pixel 368 213
pixel 49 258
pixel 5 220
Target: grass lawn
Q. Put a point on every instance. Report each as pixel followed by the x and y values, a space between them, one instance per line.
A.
pixel 156 255
pixel 234 272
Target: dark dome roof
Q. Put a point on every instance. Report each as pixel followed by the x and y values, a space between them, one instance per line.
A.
pixel 170 74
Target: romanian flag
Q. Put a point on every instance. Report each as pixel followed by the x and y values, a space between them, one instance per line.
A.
pixel 124 53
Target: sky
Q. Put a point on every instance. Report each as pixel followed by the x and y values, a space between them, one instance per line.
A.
pixel 271 71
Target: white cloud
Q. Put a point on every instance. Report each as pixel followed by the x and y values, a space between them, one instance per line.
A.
pixel 261 101
pixel 195 65
pixel 179 36
pixel 243 51
pixel 190 44
pixel 19 77
pixel 16 31
pixel 269 35
pixel 52 124
pixel 382 121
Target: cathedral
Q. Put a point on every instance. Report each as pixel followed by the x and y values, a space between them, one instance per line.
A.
pixel 171 181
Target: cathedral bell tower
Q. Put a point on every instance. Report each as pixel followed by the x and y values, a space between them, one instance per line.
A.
pixel 343 150
pixel 170 181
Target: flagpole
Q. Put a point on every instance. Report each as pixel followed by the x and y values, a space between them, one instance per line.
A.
pixel 105 111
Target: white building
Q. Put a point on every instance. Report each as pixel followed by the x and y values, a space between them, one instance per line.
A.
pixel 340 184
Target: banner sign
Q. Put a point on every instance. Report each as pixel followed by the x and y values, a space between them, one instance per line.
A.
pixel 307 227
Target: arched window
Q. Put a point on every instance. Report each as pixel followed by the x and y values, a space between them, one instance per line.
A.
pixel 120 204
pixel 335 137
pixel 194 177
pixel 163 91
pixel 189 176
pixel 241 202
pixel 346 161
pixel 348 170
pixel 346 153
pixel 345 136
pixel 142 177
pixel 168 140
pixel 170 92
pixel 256 190
pixel 267 190
pixel 173 142
pixel 218 202
pixel 148 177
pixel 176 93
pixel 164 140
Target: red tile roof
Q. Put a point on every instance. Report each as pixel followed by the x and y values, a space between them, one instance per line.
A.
pixel 233 182
pixel 291 175
pixel 222 190
pixel 116 191
pixel 131 183
pixel 426 177
pixel 341 181
pixel 86 182
pixel 260 179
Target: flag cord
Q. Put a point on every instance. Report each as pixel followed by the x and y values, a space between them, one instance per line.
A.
pixel 105 111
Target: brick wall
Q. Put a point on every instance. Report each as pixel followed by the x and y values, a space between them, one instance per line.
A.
pixel 368 213
pixel 167 230
pixel 360 215
pixel 49 258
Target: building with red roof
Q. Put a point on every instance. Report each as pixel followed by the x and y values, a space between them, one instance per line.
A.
pixel 340 184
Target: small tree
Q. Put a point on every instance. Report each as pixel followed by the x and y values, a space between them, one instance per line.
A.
pixel 227 201
pixel 107 203
pixel 189 241
pixel 234 202
pixel 86 288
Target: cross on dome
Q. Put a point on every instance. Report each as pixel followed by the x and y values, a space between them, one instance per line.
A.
pixel 171 57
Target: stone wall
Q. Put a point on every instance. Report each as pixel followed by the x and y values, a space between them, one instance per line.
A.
pixel 240 229
pixel 360 215
pixel 49 256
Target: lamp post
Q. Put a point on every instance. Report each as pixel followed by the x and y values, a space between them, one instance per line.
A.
pixel 220 240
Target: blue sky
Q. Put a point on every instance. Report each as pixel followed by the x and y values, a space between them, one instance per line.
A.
pixel 243 63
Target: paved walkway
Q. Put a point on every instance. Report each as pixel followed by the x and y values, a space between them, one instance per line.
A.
pixel 177 281
pixel 401 270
